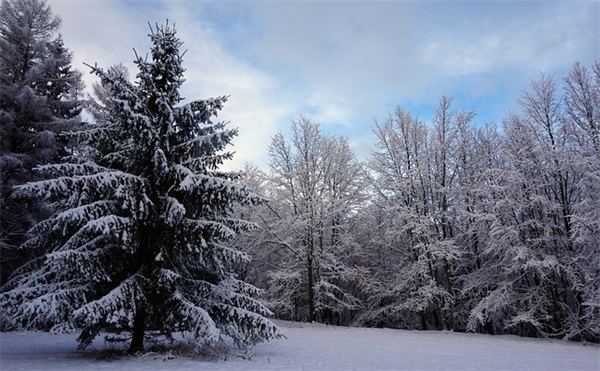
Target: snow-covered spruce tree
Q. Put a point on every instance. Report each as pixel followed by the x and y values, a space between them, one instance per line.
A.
pixel 38 99
pixel 140 242
pixel 96 103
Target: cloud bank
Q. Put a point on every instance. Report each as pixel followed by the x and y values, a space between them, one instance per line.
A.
pixel 343 63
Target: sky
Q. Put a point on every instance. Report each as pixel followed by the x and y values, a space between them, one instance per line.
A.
pixel 343 64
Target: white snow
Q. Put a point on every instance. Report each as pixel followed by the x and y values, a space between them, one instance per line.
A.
pixel 319 347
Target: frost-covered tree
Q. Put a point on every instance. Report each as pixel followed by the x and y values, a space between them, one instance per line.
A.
pixel 582 100
pixel 314 185
pixel 141 238
pixel 394 228
pixel 413 172
pixel 255 271
pixel 479 171
pixel 539 275
pixel 39 98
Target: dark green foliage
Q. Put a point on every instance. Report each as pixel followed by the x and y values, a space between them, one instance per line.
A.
pixel 38 100
pixel 141 238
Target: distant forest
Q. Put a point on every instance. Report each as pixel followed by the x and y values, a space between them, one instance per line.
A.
pixel 448 225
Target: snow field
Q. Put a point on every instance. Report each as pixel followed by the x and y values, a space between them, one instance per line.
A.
pixel 319 347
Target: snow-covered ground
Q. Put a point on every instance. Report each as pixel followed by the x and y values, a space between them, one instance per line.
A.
pixel 319 347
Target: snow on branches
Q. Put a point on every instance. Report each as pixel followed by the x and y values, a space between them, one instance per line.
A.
pixel 140 240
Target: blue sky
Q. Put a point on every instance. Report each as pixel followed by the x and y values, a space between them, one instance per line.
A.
pixel 343 64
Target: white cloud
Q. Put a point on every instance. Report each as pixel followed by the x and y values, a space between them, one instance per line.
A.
pixel 341 63
pixel 254 105
pixel 106 33
pixel 100 32
pixel 527 39
pixel 345 54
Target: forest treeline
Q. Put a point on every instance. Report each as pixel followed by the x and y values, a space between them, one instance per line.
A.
pixel 127 223
pixel 449 225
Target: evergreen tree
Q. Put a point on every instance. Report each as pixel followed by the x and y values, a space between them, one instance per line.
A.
pixel 141 240
pixel 96 103
pixel 38 99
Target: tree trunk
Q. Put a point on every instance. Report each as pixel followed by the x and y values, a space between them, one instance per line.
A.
pixel 139 328
pixel 311 291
